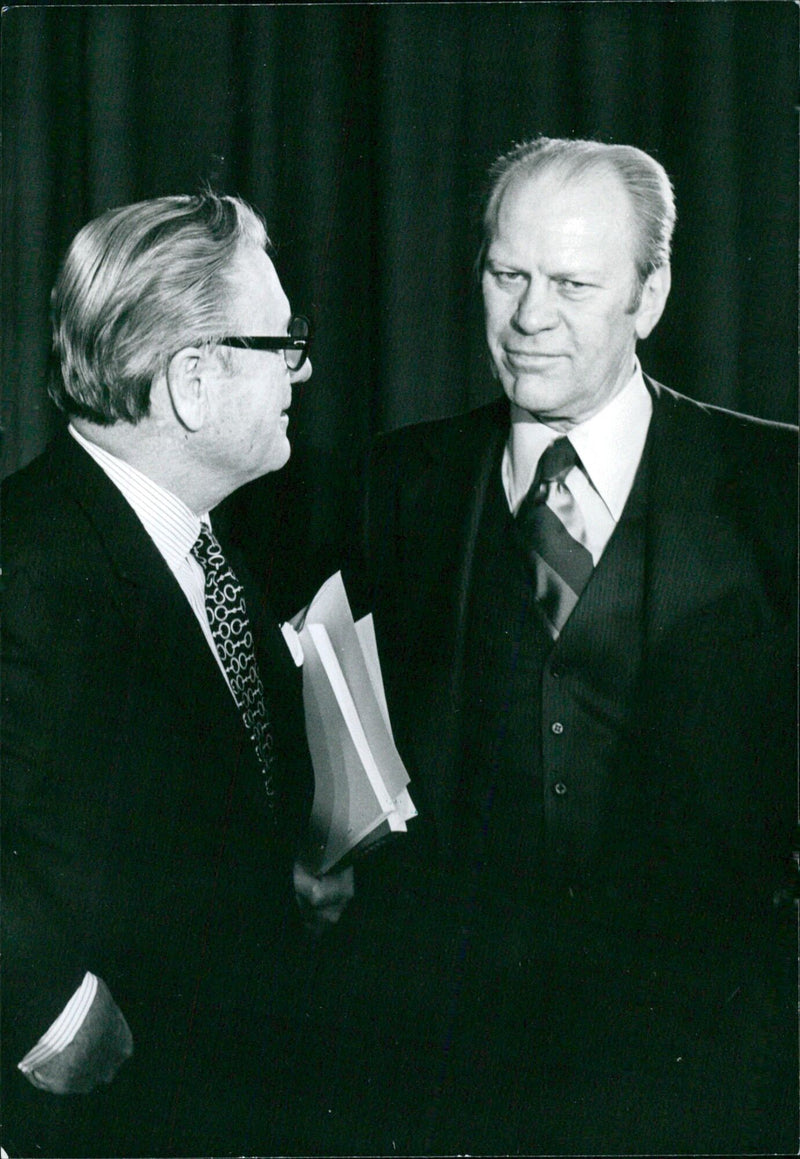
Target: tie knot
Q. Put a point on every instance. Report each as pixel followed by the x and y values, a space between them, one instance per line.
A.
pixel 207 550
pixel 559 458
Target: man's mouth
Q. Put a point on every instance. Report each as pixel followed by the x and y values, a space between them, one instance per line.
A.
pixel 522 359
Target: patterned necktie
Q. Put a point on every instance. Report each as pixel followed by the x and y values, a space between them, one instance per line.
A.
pixel 233 637
pixel 549 529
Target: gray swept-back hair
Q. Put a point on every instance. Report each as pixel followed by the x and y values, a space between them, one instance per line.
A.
pixel 138 284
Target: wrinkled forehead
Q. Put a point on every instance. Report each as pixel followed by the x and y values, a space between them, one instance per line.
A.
pixel 258 304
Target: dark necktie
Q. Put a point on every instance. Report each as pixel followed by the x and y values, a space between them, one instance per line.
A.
pixel 545 527
pixel 233 637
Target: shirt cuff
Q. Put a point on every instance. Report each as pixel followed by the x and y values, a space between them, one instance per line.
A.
pixel 61 1033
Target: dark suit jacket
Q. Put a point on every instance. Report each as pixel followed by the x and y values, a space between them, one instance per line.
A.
pixel 643 999
pixel 137 841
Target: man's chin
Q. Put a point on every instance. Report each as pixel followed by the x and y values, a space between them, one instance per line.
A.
pixel 277 458
pixel 283 454
pixel 529 392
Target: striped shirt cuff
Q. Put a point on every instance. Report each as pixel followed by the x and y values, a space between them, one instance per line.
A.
pixel 61 1033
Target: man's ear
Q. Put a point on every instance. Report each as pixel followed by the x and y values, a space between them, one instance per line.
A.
pixel 654 298
pixel 187 388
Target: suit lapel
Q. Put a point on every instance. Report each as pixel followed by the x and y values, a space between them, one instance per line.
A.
pixel 147 594
pixel 134 557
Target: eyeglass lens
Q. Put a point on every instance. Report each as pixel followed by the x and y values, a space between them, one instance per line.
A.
pixel 298 331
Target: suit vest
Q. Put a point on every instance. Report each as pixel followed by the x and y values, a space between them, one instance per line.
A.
pixel 545 726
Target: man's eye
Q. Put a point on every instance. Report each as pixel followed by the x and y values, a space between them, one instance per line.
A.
pixel 570 286
pixel 506 277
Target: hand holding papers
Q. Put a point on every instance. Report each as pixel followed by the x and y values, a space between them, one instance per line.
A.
pixel 360 781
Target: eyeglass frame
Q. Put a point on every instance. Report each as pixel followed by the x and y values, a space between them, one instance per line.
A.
pixel 266 342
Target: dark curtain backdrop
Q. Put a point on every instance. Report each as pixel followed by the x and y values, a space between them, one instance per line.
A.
pixel 363 132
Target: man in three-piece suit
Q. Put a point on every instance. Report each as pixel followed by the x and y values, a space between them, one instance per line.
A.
pixel 156 778
pixel 584 596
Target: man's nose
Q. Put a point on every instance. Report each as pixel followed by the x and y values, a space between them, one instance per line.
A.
pixel 303 374
pixel 536 308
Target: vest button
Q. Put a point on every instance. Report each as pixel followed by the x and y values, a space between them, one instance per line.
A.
pixel 557 727
pixel 557 671
pixel 559 788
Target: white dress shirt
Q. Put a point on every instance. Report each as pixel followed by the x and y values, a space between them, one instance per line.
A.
pixel 609 445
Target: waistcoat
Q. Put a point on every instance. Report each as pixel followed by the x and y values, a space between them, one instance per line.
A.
pixel 546 724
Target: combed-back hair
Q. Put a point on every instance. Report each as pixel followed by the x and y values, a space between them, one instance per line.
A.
pixel 645 180
pixel 138 284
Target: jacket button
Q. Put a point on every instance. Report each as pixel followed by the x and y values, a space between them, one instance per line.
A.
pixel 559 788
pixel 557 671
pixel 557 727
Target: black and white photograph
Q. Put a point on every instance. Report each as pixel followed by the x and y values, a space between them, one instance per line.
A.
pixel 399 579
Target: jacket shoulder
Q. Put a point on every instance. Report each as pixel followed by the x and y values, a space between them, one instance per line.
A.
pixel 66 528
pixel 755 455
pixel 36 506
pixel 734 431
pixel 440 438
pixel 751 465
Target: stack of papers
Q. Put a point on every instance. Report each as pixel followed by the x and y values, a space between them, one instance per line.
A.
pixel 361 783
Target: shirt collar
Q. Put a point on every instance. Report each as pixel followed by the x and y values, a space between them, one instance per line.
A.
pixel 171 525
pixel 609 444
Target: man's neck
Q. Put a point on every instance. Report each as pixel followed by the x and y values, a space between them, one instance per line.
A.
pixel 159 456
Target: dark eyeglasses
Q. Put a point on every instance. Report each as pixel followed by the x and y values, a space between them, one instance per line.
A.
pixel 294 345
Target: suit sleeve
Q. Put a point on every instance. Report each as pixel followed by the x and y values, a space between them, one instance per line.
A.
pixel 42 896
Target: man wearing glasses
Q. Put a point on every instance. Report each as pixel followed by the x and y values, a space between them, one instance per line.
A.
pixel 156 777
